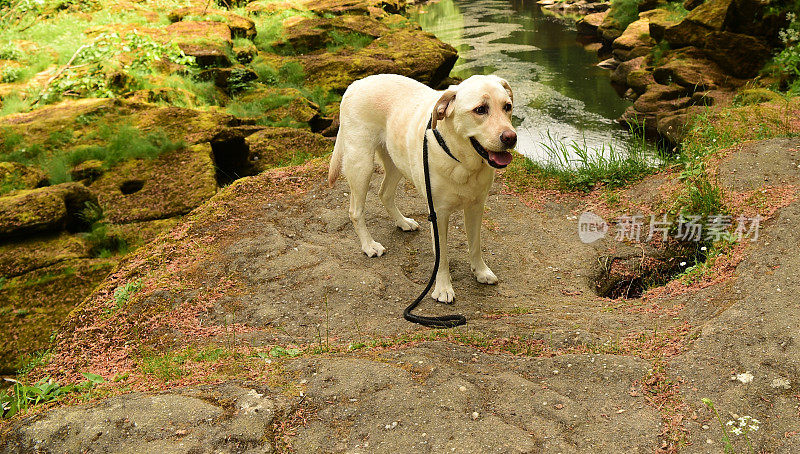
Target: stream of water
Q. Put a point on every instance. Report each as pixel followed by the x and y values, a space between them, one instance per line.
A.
pixel 558 89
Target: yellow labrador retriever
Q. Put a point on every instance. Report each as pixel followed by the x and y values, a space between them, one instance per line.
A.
pixel 387 116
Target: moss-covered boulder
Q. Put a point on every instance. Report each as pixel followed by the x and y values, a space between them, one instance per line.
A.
pixel 14 175
pixel 26 255
pixel 33 305
pixel 311 33
pixel 740 55
pixel 259 7
pixel 692 30
pixel 275 147
pixel 757 96
pixel 338 7
pixel 658 98
pixel 136 234
pixel 231 80
pixel 281 104
pixel 171 185
pixel 588 24
pixel 620 74
pixel 410 53
pixel 208 41
pixel 46 209
pixel 691 68
pixel 634 42
pixel 86 116
pixel 240 26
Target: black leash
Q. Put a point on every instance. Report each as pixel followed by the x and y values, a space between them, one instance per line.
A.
pixel 445 321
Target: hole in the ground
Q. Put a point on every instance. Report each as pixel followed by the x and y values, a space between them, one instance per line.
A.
pixel 630 271
pixel 231 158
pixel 131 186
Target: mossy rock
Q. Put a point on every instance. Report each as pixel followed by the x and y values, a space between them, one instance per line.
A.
pixel 410 53
pixel 757 96
pixel 635 35
pixel 231 80
pixel 740 55
pixel 170 185
pixel 167 95
pixel 245 53
pixel 85 116
pixel 136 234
pixel 338 7
pixel 288 103
pixel 33 305
pixel 240 26
pixel 14 175
pixel 312 33
pixel 209 42
pixel 26 255
pixel 88 171
pixel 47 209
pixel 692 30
pixel 691 68
pixel 268 7
pixel 276 147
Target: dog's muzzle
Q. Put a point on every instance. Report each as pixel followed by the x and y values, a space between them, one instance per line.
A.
pixel 496 159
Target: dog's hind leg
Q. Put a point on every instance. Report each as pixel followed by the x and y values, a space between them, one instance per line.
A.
pixel 389 190
pixel 357 166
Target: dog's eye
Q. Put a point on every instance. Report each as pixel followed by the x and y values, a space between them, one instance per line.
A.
pixel 480 110
pixel 507 107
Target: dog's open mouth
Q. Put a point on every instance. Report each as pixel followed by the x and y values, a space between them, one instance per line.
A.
pixel 496 159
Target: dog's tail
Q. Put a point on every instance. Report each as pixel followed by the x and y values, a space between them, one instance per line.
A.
pixel 336 163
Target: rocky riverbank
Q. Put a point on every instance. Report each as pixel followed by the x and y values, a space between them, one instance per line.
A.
pixel 161 106
pixel 680 60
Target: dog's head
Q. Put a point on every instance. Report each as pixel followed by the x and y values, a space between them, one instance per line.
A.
pixel 480 110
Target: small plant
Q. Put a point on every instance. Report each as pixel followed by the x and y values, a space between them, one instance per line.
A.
pixel 21 396
pixel 743 426
pixel 123 294
pixel 788 59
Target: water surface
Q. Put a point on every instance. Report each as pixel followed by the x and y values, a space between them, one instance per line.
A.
pixel 558 89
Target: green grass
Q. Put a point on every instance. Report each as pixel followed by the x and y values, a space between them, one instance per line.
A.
pixel 607 166
pixel 352 41
pixel 119 143
pixel 165 367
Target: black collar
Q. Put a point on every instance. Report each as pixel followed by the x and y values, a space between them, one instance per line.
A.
pixel 475 144
pixel 441 141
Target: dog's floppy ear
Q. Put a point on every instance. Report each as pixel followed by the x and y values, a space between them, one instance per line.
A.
pixel 444 107
pixel 505 85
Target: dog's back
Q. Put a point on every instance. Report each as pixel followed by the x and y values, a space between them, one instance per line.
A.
pixel 368 107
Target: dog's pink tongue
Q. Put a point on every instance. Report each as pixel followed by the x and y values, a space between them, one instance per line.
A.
pixel 502 158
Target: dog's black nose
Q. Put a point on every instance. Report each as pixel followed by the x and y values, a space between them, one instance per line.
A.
pixel 509 138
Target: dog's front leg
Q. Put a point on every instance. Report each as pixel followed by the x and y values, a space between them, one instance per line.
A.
pixel 443 290
pixel 473 218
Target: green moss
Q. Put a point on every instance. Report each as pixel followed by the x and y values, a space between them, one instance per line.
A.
pixel 623 13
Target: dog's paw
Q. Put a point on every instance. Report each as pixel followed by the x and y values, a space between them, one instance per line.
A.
pixel 485 276
pixel 443 293
pixel 407 224
pixel 373 249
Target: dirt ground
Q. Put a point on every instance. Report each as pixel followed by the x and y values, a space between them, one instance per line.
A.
pixel 543 364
